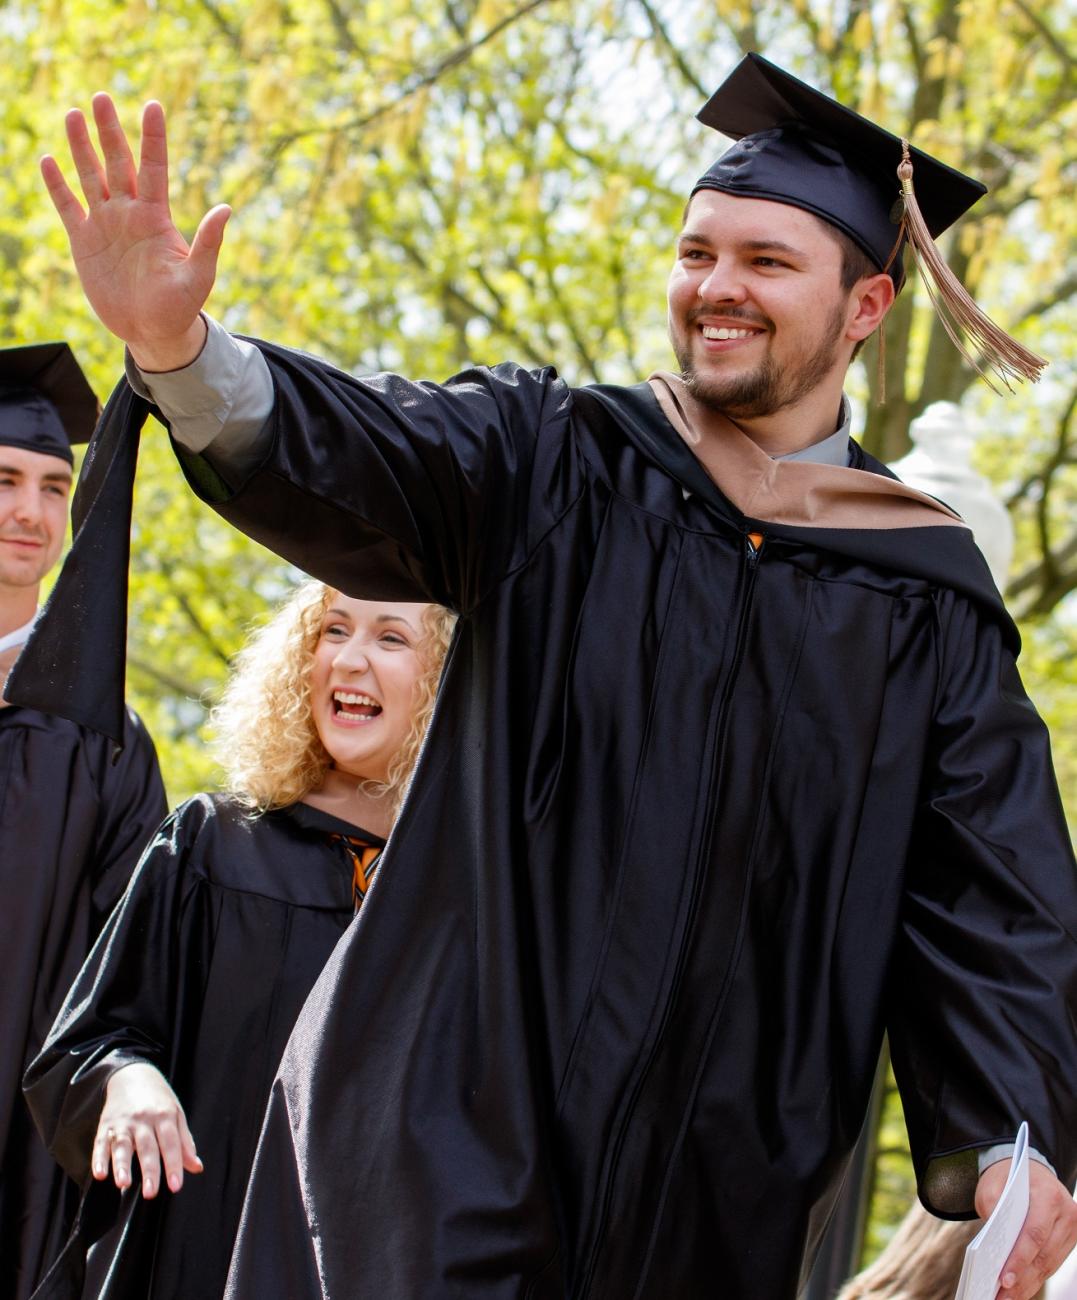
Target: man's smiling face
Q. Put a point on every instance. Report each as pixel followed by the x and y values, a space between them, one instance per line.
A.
pixel 34 491
pixel 757 314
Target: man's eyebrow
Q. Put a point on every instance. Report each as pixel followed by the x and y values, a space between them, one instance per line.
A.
pixel 54 476
pixel 772 246
pixel 746 245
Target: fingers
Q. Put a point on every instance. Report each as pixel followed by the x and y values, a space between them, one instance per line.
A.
pixel 70 210
pixel 192 1162
pixel 1019 1280
pixel 207 242
pixel 149 1160
pixel 1045 1241
pixel 153 155
pixel 90 172
pixel 142 1117
pixel 119 164
pixel 168 1140
pixel 122 1149
pixel 177 1150
pixel 102 1149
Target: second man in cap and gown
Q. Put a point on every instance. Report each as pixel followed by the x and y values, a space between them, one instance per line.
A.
pixel 72 822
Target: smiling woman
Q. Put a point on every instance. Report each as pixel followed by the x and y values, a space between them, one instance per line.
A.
pixel 321 645
pixel 176 1023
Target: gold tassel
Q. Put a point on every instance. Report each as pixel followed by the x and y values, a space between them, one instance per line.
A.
pixel 998 352
pixel 880 373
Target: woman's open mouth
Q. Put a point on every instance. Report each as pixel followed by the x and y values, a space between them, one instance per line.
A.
pixel 355 706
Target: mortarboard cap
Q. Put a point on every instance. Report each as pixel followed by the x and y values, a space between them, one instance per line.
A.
pixel 46 403
pixel 798 146
pixel 795 145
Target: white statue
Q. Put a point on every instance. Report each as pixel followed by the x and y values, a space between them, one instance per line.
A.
pixel 940 464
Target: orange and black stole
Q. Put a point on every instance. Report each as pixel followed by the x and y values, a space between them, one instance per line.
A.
pixel 364 859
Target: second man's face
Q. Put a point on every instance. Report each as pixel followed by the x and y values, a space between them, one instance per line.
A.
pixel 34 492
pixel 757 315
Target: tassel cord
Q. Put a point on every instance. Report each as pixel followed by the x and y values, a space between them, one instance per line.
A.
pixel 999 352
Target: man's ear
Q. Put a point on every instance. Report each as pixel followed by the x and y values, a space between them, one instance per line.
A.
pixel 869 301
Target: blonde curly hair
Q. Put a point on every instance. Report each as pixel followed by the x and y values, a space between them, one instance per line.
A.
pixel 922 1262
pixel 265 737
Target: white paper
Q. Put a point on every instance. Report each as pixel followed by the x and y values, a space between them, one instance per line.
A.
pixel 989 1250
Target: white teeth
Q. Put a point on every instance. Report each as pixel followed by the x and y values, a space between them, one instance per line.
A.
pixel 347 697
pixel 714 332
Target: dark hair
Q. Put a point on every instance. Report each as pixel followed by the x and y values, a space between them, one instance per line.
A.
pixel 855 263
pixel 855 266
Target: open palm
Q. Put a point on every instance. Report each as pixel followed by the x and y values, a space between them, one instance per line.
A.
pixel 138 272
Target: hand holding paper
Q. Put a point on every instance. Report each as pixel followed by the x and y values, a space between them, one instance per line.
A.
pixel 989 1250
pixel 1048 1234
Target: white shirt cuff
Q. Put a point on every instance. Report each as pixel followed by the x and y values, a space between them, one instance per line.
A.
pixel 219 403
pixel 1003 1151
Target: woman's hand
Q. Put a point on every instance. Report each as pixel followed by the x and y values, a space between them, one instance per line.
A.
pixel 138 272
pixel 142 1116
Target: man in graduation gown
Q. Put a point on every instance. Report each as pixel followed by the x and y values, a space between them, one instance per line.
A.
pixel 72 823
pixel 732 769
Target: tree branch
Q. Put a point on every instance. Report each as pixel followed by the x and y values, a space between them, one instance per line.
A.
pixel 419 81
pixel 1040 24
pixel 176 685
pixel 225 26
pixel 1049 589
pixel 1059 294
pixel 665 40
pixel 340 22
pixel 212 644
pixel 1051 576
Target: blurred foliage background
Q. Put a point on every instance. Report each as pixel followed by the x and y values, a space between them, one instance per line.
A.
pixel 423 184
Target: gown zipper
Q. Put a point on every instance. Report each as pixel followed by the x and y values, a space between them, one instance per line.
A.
pixel 753 548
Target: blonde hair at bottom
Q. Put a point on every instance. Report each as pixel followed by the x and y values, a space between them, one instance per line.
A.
pixel 921 1262
pixel 264 734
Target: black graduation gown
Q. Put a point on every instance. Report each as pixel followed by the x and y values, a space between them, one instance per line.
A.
pixel 72 826
pixel 693 824
pixel 201 971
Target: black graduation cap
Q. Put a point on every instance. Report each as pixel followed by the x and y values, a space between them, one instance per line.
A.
pixel 795 145
pixel 46 404
pixel 798 146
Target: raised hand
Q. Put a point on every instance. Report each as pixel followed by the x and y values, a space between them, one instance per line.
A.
pixel 138 272
pixel 142 1117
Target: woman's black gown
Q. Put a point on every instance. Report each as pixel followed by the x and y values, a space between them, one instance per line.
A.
pixel 201 971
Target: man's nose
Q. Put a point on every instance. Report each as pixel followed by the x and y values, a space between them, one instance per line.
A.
pixel 723 284
pixel 28 505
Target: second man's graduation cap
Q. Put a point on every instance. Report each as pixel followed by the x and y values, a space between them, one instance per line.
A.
pixel 46 403
pixel 797 146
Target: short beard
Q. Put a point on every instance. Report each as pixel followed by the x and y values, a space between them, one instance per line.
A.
pixel 768 388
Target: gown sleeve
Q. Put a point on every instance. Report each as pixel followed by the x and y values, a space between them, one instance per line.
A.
pixel 133 805
pixel 396 490
pixel 984 995
pixel 125 1001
